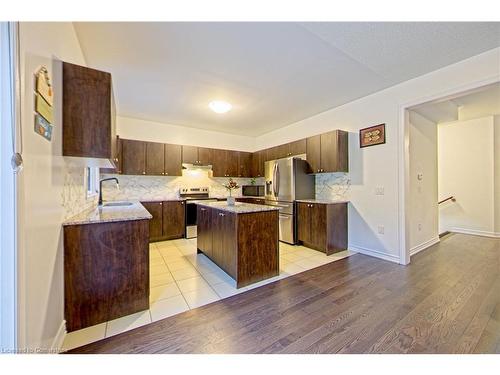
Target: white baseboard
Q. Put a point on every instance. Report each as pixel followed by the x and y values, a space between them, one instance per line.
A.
pixel 374 253
pixel 475 232
pixel 59 339
pixel 424 245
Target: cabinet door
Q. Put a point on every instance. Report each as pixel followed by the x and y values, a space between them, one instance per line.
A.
pixel 117 159
pixel 334 151
pixel 297 147
pixel 216 226
pixel 318 225
pixel 156 223
pixel 313 146
pixel 261 164
pixel 204 238
pixel 232 164
pixel 304 222
pixel 272 153
pixel 219 163
pixel 190 154
pixel 204 155
pixel 134 157
pixel 245 164
pixel 173 160
pixel 283 151
pixel 228 251
pixel 155 158
pixel 173 219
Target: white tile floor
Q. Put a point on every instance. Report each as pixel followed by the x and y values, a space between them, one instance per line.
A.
pixel 181 279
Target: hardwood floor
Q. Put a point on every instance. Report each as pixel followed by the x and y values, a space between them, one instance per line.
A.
pixel 446 301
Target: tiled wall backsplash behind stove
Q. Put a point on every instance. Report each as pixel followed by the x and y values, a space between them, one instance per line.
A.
pixel 329 186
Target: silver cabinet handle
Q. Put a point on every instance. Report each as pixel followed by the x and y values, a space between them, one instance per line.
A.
pixel 221 214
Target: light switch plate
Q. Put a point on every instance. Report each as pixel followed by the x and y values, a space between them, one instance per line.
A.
pixel 379 190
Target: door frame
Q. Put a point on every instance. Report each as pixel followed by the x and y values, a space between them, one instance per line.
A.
pixel 404 158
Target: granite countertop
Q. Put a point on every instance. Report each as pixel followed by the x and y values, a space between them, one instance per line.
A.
pixel 163 199
pixel 239 208
pixel 106 214
pixel 320 201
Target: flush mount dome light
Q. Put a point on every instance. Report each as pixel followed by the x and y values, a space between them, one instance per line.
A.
pixel 220 106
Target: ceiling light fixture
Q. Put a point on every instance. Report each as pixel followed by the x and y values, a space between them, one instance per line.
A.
pixel 220 106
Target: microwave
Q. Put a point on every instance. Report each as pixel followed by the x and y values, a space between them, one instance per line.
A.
pixel 252 190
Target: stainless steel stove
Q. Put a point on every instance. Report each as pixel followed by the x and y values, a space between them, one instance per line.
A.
pixel 194 195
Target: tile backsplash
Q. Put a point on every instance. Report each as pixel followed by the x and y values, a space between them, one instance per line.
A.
pixel 162 187
pixel 74 193
pixel 329 186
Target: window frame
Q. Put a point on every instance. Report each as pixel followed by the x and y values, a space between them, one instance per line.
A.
pixel 91 180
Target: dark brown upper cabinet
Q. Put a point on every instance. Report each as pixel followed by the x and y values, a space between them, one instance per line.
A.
pixel 245 164
pixel 117 160
pixel 88 113
pixel 173 160
pixel 155 158
pixel 190 154
pixel 257 169
pixel 297 147
pixel 219 167
pixel 204 156
pixel 314 153
pixel 232 163
pixel 328 152
pixel 133 157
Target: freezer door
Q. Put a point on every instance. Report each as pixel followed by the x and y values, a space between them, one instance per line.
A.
pixel 284 180
pixel 286 228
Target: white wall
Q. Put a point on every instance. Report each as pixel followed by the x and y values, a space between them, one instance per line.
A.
pixel 377 166
pixel 466 171
pixel 130 128
pixel 45 184
pixel 423 210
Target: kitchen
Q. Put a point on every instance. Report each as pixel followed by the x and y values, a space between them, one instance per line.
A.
pixel 276 227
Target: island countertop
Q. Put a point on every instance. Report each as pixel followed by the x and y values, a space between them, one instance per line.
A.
pixel 106 214
pixel 239 208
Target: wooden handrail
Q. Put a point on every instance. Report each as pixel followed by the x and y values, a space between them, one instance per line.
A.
pixel 452 198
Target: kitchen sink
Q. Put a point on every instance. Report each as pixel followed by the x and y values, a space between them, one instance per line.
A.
pixel 117 204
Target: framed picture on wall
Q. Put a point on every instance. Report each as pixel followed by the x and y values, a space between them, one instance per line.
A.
pixel 371 136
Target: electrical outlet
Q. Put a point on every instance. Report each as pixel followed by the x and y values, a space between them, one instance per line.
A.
pixel 379 190
pixel 381 229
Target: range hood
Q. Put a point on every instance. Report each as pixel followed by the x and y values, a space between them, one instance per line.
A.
pixel 189 166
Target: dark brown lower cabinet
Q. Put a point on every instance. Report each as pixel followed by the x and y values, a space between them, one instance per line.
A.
pixel 244 245
pixel 156 223
pixel 322 226
pixel 174 219
pixel 168 220
pixel 106 271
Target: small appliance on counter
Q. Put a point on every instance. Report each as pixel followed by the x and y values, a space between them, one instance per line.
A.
pixel 192 196
pixel 253 190
pixel 287 180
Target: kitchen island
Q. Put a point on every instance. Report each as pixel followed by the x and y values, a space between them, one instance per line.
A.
pixel 241 239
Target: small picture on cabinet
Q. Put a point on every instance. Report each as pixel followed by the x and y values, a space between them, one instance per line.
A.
pixel 374 135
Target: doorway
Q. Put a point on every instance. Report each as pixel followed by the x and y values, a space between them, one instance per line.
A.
pixel 453 167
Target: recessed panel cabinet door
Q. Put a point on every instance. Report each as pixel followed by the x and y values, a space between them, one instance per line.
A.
pixel 133 157
pixel 173 219
pixel 155 158
pixel 219 163
pixel 173 160
pixel 314 153
pixel 204 155
pixel 318 225
pixel 190 154
pixel 204 239
pixel 245 164
pixel 156 223
pixel 304 222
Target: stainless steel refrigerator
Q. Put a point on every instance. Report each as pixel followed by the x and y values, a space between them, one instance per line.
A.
pixel 286 181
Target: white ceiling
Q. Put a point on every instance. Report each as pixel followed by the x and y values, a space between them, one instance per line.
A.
pixel 478 103
pixel 273 74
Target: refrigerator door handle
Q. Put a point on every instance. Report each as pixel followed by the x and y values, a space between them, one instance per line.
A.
pixel 275 167
pixel 277 180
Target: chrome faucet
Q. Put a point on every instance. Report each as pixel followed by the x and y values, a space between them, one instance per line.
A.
pixel 100 187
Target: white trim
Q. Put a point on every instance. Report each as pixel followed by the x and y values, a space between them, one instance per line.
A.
pixel 475 232
pixel 404 157
pixel 424 245
pixel 374 253
pixel 58 341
